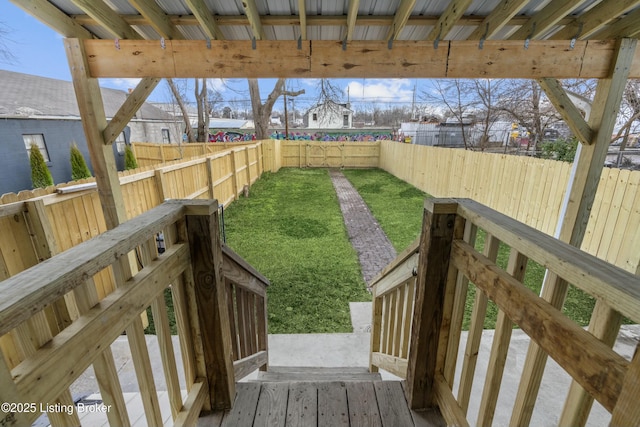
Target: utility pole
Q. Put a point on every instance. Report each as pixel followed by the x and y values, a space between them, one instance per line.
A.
pixel 286 118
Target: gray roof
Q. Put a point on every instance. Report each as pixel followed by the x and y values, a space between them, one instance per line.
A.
pixel 25 95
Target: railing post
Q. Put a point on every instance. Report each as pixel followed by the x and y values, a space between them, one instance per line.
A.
pixel 211 299
pixel 431 289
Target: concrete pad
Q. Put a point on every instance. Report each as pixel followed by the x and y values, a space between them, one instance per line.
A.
pixel 360 316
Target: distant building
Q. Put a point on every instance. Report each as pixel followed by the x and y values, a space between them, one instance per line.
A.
pixel 44 111
pixel 454 133
pixel 330 115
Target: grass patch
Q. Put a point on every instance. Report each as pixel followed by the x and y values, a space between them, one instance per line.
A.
pixel 395 204
pixel 291 230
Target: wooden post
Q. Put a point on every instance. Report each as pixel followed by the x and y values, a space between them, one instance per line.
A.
pixel 211 299
pixel 247 160
pixel 210 177
pixel 576 208
pixel 627 410
pixel 44 243
pixel 94 123
pixel 234 178
pixel 431 288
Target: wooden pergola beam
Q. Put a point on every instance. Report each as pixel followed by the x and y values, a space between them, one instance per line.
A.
pixel 128 110
pixel 549 16
pixel 302 18
pixel 108 18
pixel 352 16
pixel 569 112
pixel 595 19
pixel 500 17
pixel 204 17
pixel 251 10
pixel 372 59
pixel 400 19
pixel 448 19
pixel 158 19
pixel 53 17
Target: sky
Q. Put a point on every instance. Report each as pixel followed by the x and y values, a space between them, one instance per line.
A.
pixel 38 50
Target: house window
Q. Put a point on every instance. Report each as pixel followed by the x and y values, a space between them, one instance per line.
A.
pixel 345 120
pixel 121 141
pixel 37 139
pixel 166 136
pixel 315 117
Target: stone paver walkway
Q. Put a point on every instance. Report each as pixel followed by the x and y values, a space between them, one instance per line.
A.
pixel 374 249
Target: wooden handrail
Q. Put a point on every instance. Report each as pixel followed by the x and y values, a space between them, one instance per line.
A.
pixel 33 289
pixel 447 259
pixel 393 299
pixel 194 269
pixel 602 280
pixel 247 309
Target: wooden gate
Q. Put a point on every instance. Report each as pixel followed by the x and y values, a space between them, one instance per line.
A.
pixel 324 155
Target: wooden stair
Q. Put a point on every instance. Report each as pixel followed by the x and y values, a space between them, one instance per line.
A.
pixel 332 397
pixel 307 374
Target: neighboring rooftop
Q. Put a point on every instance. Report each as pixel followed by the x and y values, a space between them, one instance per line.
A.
pixel 26 95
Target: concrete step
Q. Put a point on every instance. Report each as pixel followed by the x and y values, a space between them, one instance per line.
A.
pixel 315 374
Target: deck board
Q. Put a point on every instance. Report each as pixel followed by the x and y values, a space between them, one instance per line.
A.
pixel 245 406
pixel 302 405
pixel 392 404
pixel 333 409
pixel 363 406
pixel 272 405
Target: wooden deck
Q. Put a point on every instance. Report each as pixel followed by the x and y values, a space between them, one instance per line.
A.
pixel 325 403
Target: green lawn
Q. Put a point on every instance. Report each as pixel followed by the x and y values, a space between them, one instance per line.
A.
pixel 291 230
pixel 397 206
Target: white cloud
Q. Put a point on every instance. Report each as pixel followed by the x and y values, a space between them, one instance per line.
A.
pixel 217 85
pixel 381 90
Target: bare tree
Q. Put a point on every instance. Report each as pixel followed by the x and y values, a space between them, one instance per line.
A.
pixel 466 98
pixel 203 109
pixel 524 102
pixel 6 56
pixel 262 111
pixel 179 98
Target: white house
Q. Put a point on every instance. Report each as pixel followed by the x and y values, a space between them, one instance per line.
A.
pixel 330 115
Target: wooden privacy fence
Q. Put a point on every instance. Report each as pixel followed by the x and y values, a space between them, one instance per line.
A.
pixel 302 154
pixel 445 262
pixel 528 189
pixel 34 230
pixel 193 269
pixel 150 154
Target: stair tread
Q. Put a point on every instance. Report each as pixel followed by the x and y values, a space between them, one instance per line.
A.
pixel 301 373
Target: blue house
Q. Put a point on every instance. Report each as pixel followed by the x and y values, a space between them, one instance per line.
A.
pixel 44 112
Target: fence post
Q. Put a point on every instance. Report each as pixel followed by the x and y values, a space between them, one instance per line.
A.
pixel 234 178
pixel 247 160
pixel 431 289
pixel 211 299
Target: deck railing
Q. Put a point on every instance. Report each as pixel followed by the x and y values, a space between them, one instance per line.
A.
pixel 191 273
pixel 393 299
pixel 247 306
pixel 447 261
